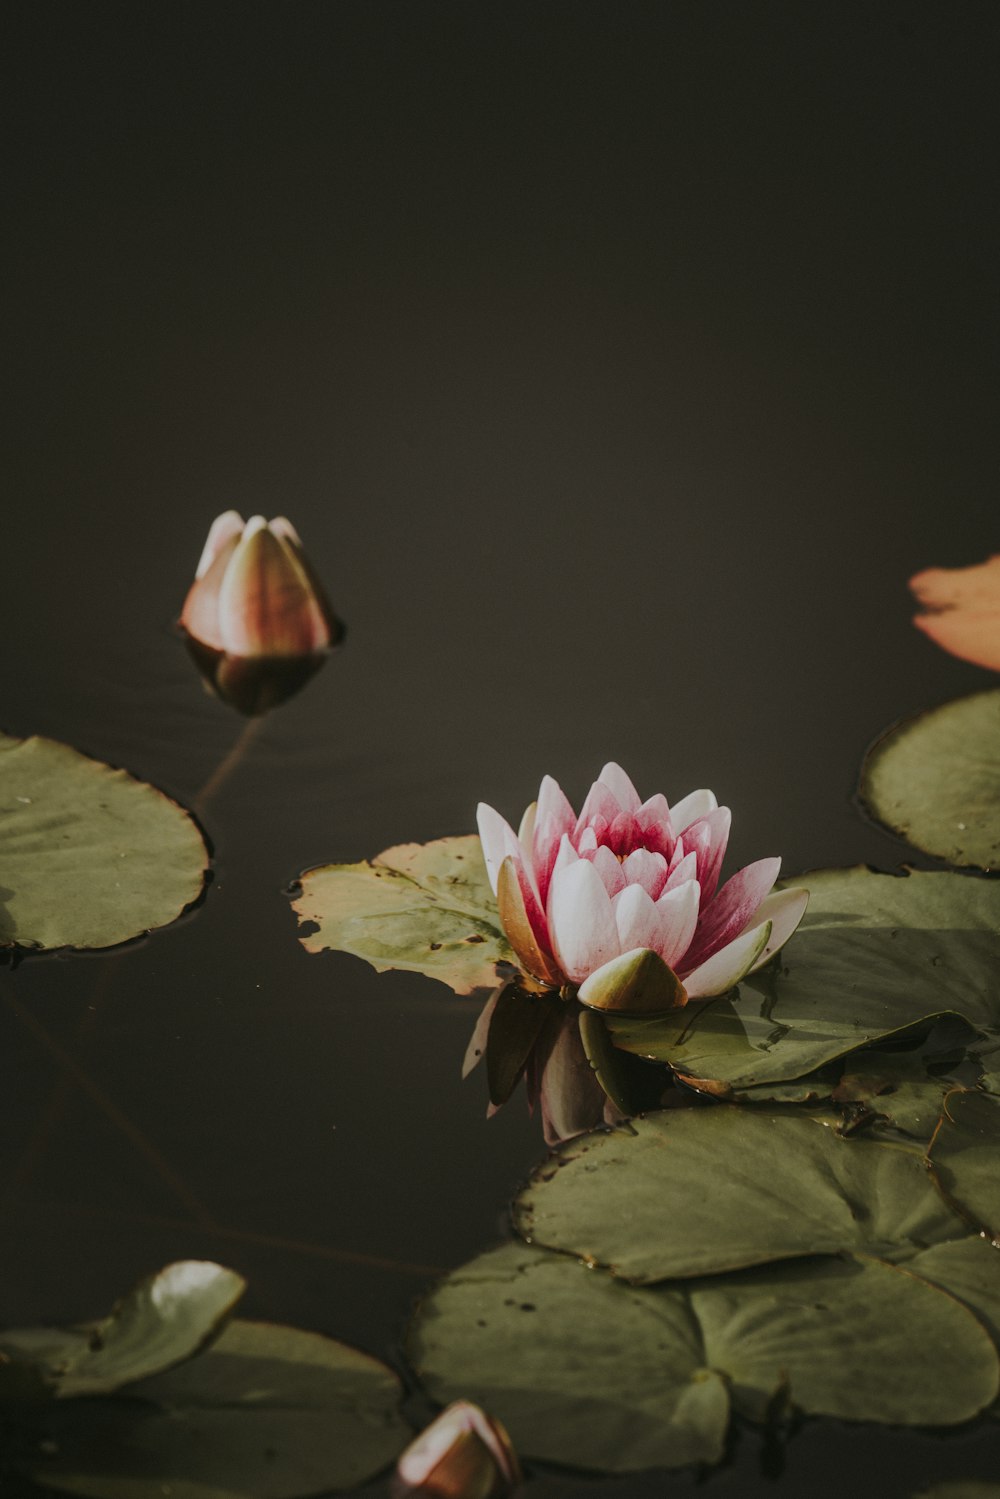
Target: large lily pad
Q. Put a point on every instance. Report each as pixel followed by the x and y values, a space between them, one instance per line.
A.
pixel 586 1370
pixel 89 856
pixel 426 907
pixel 968 1268
pixel 965 1158
pixel 877 956
pixel 935 780
pixel 267 1412
pixel 165 1319
pixel 635 1200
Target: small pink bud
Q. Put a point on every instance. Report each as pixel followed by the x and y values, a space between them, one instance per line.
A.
pixel 463 1454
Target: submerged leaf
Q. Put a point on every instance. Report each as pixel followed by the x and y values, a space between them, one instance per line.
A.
pixel 781 1187
pixel 268 1412
pixel 877 956
pixel 935 780
pixel 585 1370
pixel 89 856
pixel 425 907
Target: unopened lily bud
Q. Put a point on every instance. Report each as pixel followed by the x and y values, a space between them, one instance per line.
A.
pixel 463 1454
pixel 255 594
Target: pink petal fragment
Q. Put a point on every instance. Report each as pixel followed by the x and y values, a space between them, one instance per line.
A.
pixel 646 869
pixel 656 829
pixel 732 910
pixel 267 606
pixel 696 804
pixel 964 605
pixel 523 921
pixel 200 615
pixel 687 869
pixel 226 528
pixel 498 840
pixel 609 869
pixel 600 804
pixel 463 1452
pixel 581 922
pixel 677 920
pixel 554 817
pixel 620 786
pixel 526 829
pixel 623 834
pixel 784 910
pixel 727 966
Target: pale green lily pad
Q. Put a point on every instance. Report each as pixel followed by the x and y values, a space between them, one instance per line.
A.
pixel 965 1158
pixel 585 1370
pixel 165 1319
pixel 89 857
pixel 935 780
pixel 421 906
pixel 636 1200
pixel 267 1412
pixel 876 956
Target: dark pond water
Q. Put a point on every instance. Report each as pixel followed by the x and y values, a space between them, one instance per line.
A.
pixel 618 364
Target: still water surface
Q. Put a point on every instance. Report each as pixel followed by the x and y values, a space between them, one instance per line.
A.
pixel 617 367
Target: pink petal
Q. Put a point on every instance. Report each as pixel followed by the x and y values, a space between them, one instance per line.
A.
pixel 524 922
pixel 526 829
pixel 966 610
pixel 636 918
pixel 687 869
pixel 690 808
pixel 732 910
pixel 581 922
pixel 200 615
pixel 224 529
pixel 677 920
pixel 655 825
pixel 267 606
pixel 567 855
pixel 623 834
pixel 708 838
pixel 620 786
pixel 784 910
pixel 646 869
pixel 498 840
pixel 609 869
pixel 554 817
pixel 600 803
pixel 729 964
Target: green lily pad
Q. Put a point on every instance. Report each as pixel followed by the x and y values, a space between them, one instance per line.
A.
pixel 585 1370
pixel 165 1319
pixel 422 906
pixel 90 856
pixel 935 780
pixel 635 1200
pixel 968 1268
pixel 965 1158
pixel 267 1412
pixel 877 956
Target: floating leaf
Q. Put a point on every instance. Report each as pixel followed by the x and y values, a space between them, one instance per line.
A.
pixel 877 956
pixel 422 906
pixel 968 1268
pixel 636 1200
pixel 935 780
pixel 89 856
pixel 965 1158
pixel 166 1318
pixel 267 1412
pixel 586 1370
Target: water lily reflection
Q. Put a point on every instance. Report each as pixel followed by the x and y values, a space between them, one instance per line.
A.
pixel 256 619
pixel 623 901
pixel 463 1454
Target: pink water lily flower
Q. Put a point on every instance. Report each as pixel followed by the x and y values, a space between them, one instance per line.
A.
pixel 255 594
pixel 624 902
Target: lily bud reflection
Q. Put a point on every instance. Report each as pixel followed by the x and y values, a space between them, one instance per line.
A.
pixel 463 1454
pixel 257 621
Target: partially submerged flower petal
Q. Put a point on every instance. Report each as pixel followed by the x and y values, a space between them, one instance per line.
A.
pixel 636 983
pixel 463 1454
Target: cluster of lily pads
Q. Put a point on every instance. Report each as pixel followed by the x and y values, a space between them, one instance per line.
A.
pixel 797 1209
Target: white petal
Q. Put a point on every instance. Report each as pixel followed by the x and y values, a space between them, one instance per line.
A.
pixel 222 530
pixel 696 804
pixel 620 786
pixel 686 869
pixel 498 840
pixel 676 918
pixel 581 921
pixel 727 966
pixel 609 869
pixel 645 868
pixel 784 910
pixel 636 919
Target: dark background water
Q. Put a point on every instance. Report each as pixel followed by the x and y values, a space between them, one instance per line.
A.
pixel 618 363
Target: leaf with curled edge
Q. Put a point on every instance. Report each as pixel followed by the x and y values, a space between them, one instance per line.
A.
pixel 425 907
